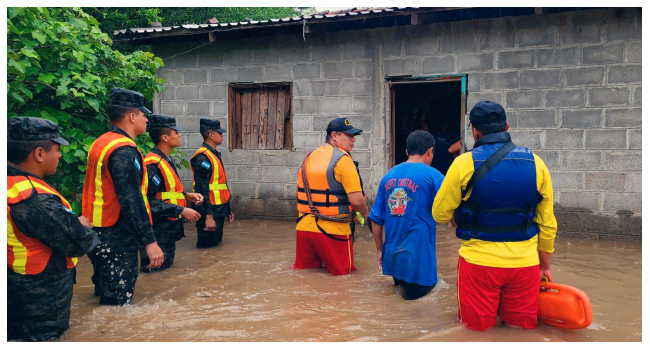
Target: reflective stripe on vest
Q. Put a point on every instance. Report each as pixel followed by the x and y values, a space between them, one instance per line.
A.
pixel 327 194
pixel 501 206
pixel 26 255
pixel 173 186
pixel 99 201
pixel 218 187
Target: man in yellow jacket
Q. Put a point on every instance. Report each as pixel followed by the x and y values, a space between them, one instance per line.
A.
pixel 500 197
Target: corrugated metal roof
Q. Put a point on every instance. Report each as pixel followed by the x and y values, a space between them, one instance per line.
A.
pixel 319 17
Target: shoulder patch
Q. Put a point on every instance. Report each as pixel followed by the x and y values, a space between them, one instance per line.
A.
pixel 137 163
pixel 205 164
pixel 68 210
pixel 156 180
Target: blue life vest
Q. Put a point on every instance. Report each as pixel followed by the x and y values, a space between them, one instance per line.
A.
pixel 502 205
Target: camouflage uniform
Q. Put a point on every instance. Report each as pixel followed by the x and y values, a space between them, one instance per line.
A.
pixel 115 259
pixel 38 305
pixel 167 232
pixel 201 185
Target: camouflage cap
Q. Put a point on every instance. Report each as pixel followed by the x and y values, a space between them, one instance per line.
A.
pixel 33 129
pixel 128 98
pixel 210 124
pixel 162 121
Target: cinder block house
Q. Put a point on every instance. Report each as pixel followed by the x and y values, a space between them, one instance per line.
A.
pixel 569 79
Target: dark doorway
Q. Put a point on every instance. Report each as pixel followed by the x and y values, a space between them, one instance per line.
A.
pixel 434 104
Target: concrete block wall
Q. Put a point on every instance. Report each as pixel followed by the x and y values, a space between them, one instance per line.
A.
pixel 570 83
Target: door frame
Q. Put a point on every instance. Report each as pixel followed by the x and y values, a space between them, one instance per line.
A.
pixel 389 86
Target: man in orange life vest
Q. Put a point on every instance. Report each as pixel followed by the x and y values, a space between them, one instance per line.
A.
pixel 327 201
pixel 500 196
pixel 44 236
pixel 165 193
pixel 115 201
pixel 211 181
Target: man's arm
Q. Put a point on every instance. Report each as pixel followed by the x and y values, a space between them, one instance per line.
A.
pixel 202 174
pixel 123 166
pixel 545 218
pixel 358 202
pixel 127 179
pixel 44 218
pixel 448 197
pixel 377 216
pixel 346 173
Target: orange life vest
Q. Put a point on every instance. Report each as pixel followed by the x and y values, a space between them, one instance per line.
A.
pixel 26 255
pixel 173 186
pixel 327 194
pixel 218 188
pixel 100 203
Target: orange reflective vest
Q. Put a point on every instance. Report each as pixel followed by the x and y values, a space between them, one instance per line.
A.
pixel 327 194
pixel 26 255
pixel 99 200
pixel 218 189
pixel 173 186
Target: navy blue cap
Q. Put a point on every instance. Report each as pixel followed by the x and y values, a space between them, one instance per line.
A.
pixel 33 129
pixel 486 112
pixel 342 125
pixel 128 98
pixel 210 124
pixel 162 121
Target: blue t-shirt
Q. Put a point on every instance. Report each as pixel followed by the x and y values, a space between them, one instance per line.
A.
pixel 403 206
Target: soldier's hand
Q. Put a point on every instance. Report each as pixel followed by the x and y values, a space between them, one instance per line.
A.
pixel 210 225
pixel 85 222
pixel 231 218
pixel 195 198
pixel 155 254
pixel 191 215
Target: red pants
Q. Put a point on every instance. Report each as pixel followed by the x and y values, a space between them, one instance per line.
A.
pixel 314 248
pixel 485 292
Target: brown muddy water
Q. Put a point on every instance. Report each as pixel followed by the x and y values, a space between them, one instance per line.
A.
pixel 245 290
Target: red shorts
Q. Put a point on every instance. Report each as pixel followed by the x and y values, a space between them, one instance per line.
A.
pixel 485 292
pixel 314 248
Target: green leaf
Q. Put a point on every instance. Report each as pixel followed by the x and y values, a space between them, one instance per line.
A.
pixel 17 96
pixel 18 66
pixel 93 103
pixel 47 78
pixel 39 36
pixel 29 52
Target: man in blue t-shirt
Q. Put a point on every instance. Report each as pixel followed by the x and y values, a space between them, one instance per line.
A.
pixel 403 205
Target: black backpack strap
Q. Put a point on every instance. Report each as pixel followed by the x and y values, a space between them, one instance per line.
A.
pixel 489 163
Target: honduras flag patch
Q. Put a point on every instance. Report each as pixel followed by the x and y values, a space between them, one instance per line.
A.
pixel 156 180
pixel 137 164
pixel 69 211
pixel 205 164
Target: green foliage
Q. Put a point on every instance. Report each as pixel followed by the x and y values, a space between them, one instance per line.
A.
pixel 60 66
pixel 197 15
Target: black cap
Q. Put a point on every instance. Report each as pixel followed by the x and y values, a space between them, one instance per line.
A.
pixel 128 98
pixel 210 124
pixel 486 112
pixel 162 121
pixel 342 125
pixel 33 129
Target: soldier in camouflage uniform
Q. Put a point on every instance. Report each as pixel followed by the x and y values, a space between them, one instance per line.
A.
pixel 210 180
pixel 165 193
pixel 115 200
pixel 43 234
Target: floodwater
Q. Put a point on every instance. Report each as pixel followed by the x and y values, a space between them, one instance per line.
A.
pixel 245 290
